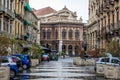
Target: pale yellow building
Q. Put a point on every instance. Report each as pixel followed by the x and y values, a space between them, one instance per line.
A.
pixel 104 23
pixel 7 17
pixel 108 12
pixel 92 27
pixel 18 29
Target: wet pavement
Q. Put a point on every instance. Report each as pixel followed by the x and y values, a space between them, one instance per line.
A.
pixel 63 69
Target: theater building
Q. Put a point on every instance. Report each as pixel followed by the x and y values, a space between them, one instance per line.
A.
pixel 60 30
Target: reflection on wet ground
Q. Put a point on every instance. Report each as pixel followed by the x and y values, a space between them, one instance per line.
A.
pixel 59 70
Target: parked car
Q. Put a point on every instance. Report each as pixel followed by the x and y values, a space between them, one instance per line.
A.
pixel 26 62
pixel 45 57
pixel 9 62
pixel 18 61
pixel 54 55
pixel 107 60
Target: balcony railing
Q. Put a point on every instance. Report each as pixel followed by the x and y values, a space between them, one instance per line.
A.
pixel 9 12
pixel 112 2
pixel 97 11
pixel 101 9
pixel 106 7
pixel 104 29
pixel 19 16
pixel 118 25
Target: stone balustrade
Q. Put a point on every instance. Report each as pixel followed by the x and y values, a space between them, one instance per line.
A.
pixel 82 62
pixel 34 62
pixel 4 73
pixel 108 71
pixel 112 72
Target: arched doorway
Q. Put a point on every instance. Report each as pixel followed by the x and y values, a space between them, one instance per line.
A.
pixel 76 51
pixel 64 49
pixel 48 46
pixel 70 50
pixel 56 47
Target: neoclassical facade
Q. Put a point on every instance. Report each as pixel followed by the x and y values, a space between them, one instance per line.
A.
pixel 108 12
pixel 104 23
pixel 60 30
pixel 7 16
pixel 17 19
pixel 92 27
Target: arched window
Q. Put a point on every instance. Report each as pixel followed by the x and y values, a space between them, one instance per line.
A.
pixel 48 34
pixel 77 34
pixel 64 48
pixel 43 34
pixel 70 34
pixel 76 50
pixel 56 34
pixel 63 34
pixel 70 50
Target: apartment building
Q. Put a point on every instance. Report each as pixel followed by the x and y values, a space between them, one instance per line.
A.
pixel 103 24
pixel 7 17
pixel 18 20
pixel 92 27
pixel 108 12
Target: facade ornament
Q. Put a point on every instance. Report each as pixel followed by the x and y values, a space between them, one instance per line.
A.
pixel 81 20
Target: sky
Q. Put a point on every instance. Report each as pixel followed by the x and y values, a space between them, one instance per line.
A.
pixel 78 6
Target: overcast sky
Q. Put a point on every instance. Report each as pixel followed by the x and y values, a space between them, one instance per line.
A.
pixel 80 6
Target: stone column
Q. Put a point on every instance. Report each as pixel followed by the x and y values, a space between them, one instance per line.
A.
pixel 60 45
pixel 58 32
pixel 9 26
pixel 2 22
pixel 73 34
pixel 46 34
pixel 9 4
pixel 73 50
pixel 6 4
pixel 67 33
pixel 67 49
pixel 2 2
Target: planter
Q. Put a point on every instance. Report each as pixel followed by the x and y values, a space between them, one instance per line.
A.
pixel 34 62
pixel 82 62
pixel 100 69
pixel 4 73
pixel 112 71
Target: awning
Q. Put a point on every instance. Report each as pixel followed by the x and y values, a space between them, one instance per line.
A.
pixel 26 22
pixel 45 49
pixel 27 6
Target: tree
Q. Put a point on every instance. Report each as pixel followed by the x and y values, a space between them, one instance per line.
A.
pixel 82 53
pixel 113 47
pixel 62 54
pixel 4 44
pixel 36 50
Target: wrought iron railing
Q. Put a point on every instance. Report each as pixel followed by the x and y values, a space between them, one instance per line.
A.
pixel 7 11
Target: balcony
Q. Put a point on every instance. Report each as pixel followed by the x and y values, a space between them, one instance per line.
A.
pixel 98 33
pixel 27 22
pixel 97 12
pixel 27 6
pixel 101 9
pixel 112 2
pixel 19 16
pixel 106 7
pixel 8 13
pixel 118 24
pixel 104 30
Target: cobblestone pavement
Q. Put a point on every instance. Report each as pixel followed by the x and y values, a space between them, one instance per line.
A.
pixel 63 69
